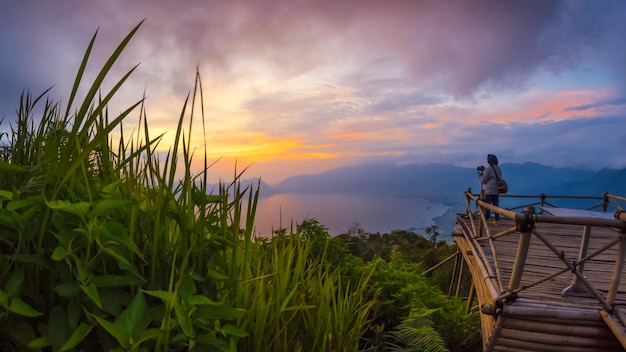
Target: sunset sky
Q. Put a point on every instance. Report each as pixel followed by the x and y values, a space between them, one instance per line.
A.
pixel 293 87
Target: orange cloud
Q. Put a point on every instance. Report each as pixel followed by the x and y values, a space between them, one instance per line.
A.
pixel 544 105
pixel 254 147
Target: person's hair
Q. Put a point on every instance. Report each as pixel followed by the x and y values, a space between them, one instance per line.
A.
pixel 492 159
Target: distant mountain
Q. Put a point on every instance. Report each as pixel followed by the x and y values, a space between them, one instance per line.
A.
pixel 438 183
pixel 446 183
pixel 425 181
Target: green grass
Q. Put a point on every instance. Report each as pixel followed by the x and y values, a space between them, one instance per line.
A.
pixel 301 301
pixel 106 246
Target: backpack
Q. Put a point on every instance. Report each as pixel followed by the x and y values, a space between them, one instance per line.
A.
pixel 503 187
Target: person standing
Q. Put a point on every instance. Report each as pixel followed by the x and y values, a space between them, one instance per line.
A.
pixel 488 178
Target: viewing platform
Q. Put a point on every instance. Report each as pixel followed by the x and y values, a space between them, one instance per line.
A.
pixel 547 278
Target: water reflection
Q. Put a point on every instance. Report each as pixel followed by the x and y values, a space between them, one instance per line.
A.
pixel 339 212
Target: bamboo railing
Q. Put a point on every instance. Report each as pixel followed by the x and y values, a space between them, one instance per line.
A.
pixel 527 219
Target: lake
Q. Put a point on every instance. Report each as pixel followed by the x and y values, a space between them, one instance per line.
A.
pixel 340 212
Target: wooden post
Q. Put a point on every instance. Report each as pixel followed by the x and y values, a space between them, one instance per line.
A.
pixel 520 260
pixel 494 336
pixel 584 246
pixel 470 297
pixel 460 277
pixel 525 227
pixel 617 271
pixel 458 266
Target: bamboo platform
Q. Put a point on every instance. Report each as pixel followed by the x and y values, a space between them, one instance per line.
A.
pixel 552 285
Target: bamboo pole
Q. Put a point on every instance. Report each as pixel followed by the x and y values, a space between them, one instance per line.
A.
pixel 612 196
pixel 496 265
pixel 505 232
pixel 480 271
pixel 490 274
pixel 600 250
pixel 615 327
pixel 535 283
pixel 455 273
pixel 470 297
pixel 494 336
pixel 568 328
pixel 555 219
pixel 572 268
pixel 575 221
pixel 485 288
pixel 582 253
pixel 548 311
pixel 458 283
pixel 470 214
pixel 548 342
pixel 508 345
pixel 457 253
pixel 617 272
pixel 520 260
pixel 620 316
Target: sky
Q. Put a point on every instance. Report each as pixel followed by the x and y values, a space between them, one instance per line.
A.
pixel 301 86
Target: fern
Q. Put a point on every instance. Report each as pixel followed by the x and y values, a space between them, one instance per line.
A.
pixel 416 332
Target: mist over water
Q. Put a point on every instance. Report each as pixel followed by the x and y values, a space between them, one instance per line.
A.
pixel 339 212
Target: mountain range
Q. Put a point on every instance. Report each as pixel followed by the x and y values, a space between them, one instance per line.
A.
pixel 446 183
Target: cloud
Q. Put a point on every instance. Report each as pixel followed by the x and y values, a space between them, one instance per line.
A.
pixel 346 79
pixel 619 102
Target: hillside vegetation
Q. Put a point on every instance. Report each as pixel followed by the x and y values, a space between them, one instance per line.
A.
pixel 108 246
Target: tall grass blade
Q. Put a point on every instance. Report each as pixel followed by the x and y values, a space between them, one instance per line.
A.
pixel 82 112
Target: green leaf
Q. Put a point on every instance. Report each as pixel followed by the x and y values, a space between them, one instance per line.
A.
pixel 112 188
pixel 14 284
pixel 105 206
pixel 213 341
pixel 115 281
pixel 146 335
pixel 17 204
pixel 92 292
pixel 18 306
pixel 79 209
pixel 122 262
pixel 40 261
pixel 287 299
pixel 135 317
pixel 8 167
pixel 58 329
pixel 233 330
pixel 59 253
pixel 119 334
pixel 114 300
pixel 68 289
pixel 40 342
pixel 6 195
pixel 116 233
pixel 198 300
pixel 218 276
pixel 187 288
pixel 183 320
pixel 7 219
pixel 223 311
pixel 65 237
pixel 77 336
pixel 73 313
pixel 163 295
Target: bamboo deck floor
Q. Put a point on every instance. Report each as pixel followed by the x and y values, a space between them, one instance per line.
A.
pixel 542 318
